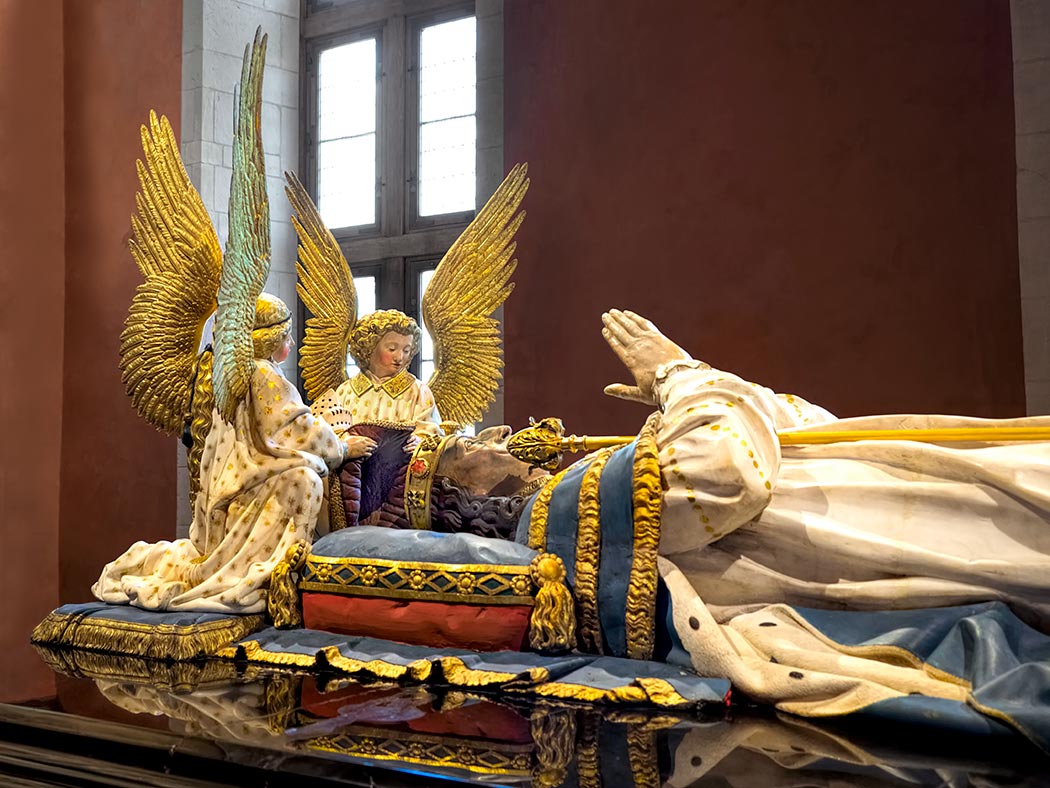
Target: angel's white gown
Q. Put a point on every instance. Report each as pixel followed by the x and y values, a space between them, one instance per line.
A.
pixel 402 402
pixel 261 491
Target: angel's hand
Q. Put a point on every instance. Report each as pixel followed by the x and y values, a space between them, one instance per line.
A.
pixel 411 444
pixel 358 446
pixel 642 348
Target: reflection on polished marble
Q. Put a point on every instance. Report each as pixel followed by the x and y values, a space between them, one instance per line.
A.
pixel 287 726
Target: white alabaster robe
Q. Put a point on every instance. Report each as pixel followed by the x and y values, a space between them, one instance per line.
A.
pixel 858 525
pixel 863 525
pixel 261 492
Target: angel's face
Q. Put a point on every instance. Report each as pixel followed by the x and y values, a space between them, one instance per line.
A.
pixel 391 355
pixel 483 466
pixel 283 351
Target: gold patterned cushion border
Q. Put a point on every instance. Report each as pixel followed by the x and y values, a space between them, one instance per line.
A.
pixel 163 641
pixel 472 584
pixel 482 757
pixel 174 676
pixel 560 734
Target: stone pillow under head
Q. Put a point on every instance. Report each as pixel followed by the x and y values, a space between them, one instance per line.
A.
pixel 420 587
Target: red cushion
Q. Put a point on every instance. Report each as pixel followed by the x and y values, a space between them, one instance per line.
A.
pixel 480 719
pixel 438 624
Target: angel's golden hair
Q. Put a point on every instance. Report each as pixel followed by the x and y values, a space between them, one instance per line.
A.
pixel 273 322
pixel 371 328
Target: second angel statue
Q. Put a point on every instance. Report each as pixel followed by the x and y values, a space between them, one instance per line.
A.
pixel 384 411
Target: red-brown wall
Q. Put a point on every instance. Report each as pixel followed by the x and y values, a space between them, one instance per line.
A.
pixel 818 195
pixel 32 231
pixel 118 473
pixel 83 476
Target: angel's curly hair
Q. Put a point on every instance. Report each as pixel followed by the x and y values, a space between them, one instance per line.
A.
pixel 273 322
pixel 371 328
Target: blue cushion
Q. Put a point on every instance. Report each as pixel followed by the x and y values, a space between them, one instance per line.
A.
pixel 392 544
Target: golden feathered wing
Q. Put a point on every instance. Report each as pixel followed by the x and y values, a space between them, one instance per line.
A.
pixel 247 262
pixel 175 247
pixel 327 289
pixel 470 283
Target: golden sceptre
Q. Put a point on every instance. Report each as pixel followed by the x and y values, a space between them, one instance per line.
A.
pixel 543 442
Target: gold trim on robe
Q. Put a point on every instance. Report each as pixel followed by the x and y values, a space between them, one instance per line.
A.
pixel 395 386
pixel 641 590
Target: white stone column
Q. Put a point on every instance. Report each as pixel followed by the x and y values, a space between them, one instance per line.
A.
pixel 490 165
pixel 1030 22
pixel 214 35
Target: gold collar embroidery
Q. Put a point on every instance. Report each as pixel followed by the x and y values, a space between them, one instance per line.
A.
pixel 395 386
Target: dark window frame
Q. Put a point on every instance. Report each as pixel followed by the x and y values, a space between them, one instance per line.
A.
pixel 412 115
pixel 309 156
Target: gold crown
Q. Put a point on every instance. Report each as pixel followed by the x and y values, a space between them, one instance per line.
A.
pixel 418 478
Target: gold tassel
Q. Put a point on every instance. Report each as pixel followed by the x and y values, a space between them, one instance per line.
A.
pixel 282 600
pixel 552 627
pixel 554 734
pixel 280 692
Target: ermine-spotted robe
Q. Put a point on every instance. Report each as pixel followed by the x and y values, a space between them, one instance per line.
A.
pixel 749 527
pixel 261 491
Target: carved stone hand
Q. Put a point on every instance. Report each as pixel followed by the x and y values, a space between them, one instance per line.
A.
pixel 642 348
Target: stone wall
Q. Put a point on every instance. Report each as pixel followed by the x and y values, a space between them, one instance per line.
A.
pixel 214 35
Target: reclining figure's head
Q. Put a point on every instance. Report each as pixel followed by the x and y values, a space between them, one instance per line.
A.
pixel 479 487
pixel 482 465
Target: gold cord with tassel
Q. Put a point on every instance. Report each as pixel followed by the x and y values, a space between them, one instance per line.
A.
pixel 336 509
pixel 552 627
pixel 282 601
pixel 553 732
